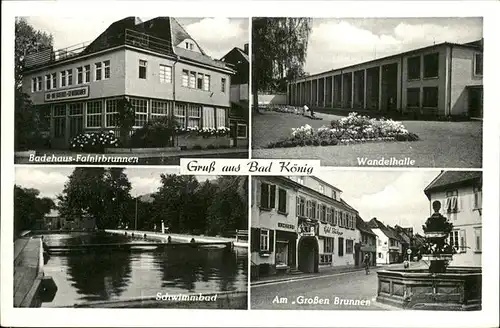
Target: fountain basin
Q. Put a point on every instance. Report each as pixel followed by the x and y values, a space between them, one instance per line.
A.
pixel 458 289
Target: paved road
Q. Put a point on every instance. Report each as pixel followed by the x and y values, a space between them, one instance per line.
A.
pixel 332 289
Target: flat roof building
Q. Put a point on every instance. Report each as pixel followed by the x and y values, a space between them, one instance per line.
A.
pixel 439 80
pixel 155 64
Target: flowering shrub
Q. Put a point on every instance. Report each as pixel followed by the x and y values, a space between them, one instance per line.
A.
pixel 94 142
pixel 351 129
pixel 155 133
pixel 204 132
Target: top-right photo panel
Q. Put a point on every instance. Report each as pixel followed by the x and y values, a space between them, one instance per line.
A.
pixel 390 92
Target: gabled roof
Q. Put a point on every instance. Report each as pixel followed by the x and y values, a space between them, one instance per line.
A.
pixel 448 179
pixel 395 234
pixel 362 226
pixel 388 231
pixel 239 51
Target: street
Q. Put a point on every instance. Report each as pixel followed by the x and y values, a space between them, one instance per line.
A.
pixel 326 292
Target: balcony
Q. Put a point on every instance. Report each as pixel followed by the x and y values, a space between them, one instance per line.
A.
pixel 128 37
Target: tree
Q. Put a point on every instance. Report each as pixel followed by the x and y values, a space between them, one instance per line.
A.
pixel 29 120
pixel 102 193
pixel 279 51
pixel 29 208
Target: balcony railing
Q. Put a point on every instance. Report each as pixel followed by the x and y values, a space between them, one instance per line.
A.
pixel 146 41
pixel 49 55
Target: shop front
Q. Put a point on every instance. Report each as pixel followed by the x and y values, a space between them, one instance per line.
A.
pixel 285 248
pixel 328 235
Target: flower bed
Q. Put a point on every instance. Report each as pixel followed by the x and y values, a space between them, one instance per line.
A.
pixel 94 142
pixel 347 130
pixel 204 132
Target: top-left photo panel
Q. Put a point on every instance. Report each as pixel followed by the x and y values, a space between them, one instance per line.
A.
pixel 130 90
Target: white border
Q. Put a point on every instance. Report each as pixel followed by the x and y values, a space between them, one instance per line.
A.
pixel 136 317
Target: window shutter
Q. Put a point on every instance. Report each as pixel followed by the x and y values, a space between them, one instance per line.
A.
pixel 297 199
pixel 447 206
pixel 454 204
pixel 271 240
pixel 272 197
pixel 258 192
pixel 255 239
pixel 264 195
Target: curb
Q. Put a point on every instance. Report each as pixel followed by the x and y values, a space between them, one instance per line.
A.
pixel 298 277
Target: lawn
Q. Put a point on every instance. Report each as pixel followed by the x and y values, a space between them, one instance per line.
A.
pixel 441 144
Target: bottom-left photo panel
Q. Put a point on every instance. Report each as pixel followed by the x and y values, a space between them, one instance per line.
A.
pixel 108 237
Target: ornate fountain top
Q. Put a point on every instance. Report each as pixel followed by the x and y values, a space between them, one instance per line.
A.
pixel 436 206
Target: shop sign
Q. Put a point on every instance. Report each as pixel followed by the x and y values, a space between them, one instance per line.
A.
pixel 80 92
pixel 307 229
pixel 286 226
pixel 328 230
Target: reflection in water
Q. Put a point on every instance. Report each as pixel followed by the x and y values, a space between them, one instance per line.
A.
pixel 119 275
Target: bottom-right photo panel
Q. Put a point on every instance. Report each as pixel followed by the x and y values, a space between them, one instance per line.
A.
pixel 367 240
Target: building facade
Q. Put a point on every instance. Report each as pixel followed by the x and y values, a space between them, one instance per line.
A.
pixel 300 223
pixel 460 195
pixel 439 80
pixel 238 60
pixel 367 242
pixel 156 65
pixel 389 249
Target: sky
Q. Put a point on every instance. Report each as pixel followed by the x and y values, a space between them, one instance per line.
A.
pixel 215 35
pixel 394 197
pixel 336 43
pixel 50 180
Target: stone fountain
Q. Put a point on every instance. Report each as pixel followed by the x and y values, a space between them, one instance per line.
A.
pixel 440 287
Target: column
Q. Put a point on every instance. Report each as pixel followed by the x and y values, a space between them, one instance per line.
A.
pixel 364 88
pixel 333 90
pixel 317 93
pixel 324 91
pixel 341 90
pixel 380 88
pixel 352 90
pixel 311 92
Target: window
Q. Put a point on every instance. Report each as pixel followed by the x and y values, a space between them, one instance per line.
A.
pixel 335 216
pixel 325 258
pixel 281 253
pixel 165 74
pixel 86 74
pixel 94 114
pixel 185 78
pixel 142 69
pixel 413 97
pixel 63 79
pixel 221 117
pixel 300 180
pixel 107 69
pixel 478 197
pixel 478 64
pixel 414 68
pixel 431 65
pixel 329 244
pixel 340 220
pixel 457 240
pixel 48 82
pixel 242 131
pixel 341 246
pixel 79 75
pixel 141 111
pixel 301 206
pixel 379 242
pixel 267 196
pixel 180 114
pixel 264 240
pixel 54 80
pixel 329 215
pixel 194 116
pixel 59 120
pixel 322 213
pixel 477 239
pixel 349 246
pixel 192 80
pixel 334 194
pixel 199 81
pixel 451 203
pixel 39 83
pixel 98 71
pixel 208 117
pixel 69 76
pixel 312 209
pixel 223 84
pixel 430 97
pixel 160 108
pixel 282 201
pixel 379 255
pixel 111 113
pixel 206 82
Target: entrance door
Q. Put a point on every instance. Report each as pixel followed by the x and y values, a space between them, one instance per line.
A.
pixel 59 126
pixel 308 255
pixel 75 126
pixel 476 102
pixel 234 132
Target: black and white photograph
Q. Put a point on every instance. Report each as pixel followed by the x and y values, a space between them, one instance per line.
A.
pixel 95 237
pixel 408 240
pixel 385 91
pixel 130 90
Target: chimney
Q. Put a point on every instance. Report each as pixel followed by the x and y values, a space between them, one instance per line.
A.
pixel 245 48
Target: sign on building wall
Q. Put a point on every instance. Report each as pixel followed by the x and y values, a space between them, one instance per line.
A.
pixel 329 231
pixel 80 92
pixel 286 226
